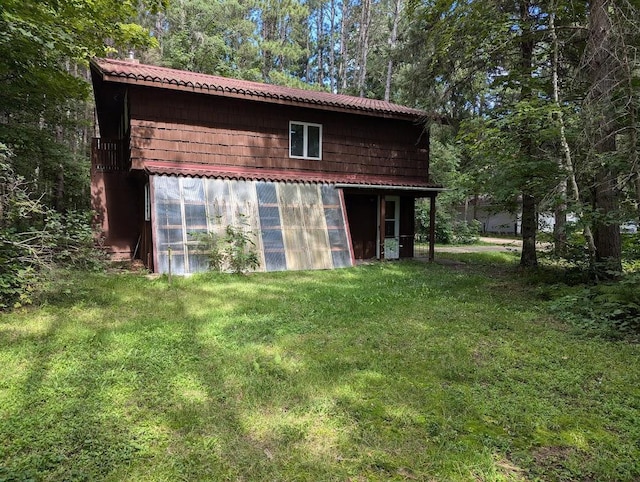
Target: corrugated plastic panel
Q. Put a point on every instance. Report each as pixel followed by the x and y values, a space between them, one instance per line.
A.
pixel 271 227
pixel 168 214
pixel 195 222
pixel 296 226
pixel 336 227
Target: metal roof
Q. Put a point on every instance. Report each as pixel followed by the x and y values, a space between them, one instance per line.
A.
pixel 274 175
pixel 162 77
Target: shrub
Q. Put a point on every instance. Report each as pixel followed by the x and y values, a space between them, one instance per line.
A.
pixel 631 251
pixel 34 239
pixel 466 233
pixel 235 251
pixel 609 307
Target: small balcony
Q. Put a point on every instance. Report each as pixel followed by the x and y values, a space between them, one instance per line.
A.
pixel 110 155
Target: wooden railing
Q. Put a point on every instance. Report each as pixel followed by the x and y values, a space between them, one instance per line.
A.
pixel 110 155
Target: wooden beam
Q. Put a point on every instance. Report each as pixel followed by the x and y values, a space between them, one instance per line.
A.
pixel 381 231
pixel 432 228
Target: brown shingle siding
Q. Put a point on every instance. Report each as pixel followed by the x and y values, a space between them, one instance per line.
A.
pixel 180 127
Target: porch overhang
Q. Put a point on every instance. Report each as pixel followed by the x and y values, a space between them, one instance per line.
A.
pixel 339 180
pixel 418 191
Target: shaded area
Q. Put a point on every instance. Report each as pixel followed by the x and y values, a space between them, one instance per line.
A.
pixel 381 372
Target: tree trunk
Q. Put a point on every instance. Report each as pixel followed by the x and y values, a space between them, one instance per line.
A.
pixel 566 162
pixel 393 40
pixel 528 258
pixel 601 69
pixel 58 201
pixel 307 69
pixel 637 186
pixel 560 224
pixel 363 46
pixel 607 234
pixel 342 69
pixel 333 84
pixel 320 40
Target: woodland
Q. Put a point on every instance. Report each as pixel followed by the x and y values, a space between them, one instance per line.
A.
pixel 533 104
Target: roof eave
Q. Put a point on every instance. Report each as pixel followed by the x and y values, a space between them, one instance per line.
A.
pixel 107 76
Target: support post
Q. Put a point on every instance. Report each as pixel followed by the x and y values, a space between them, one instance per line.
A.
pixel 381 230
pixel 432 227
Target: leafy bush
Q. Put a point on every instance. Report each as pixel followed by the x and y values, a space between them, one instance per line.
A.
pixel 609 307
pixel 448 230
pixel 235 251
pixel 631 251
pixel 34 239
pixel 16 276
pixel 240 251
pixel 466 233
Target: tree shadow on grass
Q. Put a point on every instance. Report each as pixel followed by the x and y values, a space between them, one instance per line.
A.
pixel 308 376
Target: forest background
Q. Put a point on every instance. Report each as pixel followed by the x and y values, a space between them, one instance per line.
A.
pixel 534 104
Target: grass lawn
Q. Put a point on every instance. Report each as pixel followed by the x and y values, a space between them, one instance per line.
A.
pixel 391 371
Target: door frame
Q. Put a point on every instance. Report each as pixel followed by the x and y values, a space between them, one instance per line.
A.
pixel 392 243
pixel 381 237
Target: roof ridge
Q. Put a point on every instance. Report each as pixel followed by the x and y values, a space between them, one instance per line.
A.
pixel 215 84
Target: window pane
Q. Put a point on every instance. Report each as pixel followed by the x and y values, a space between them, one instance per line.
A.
pixel 390 209
pixel 297 140
pixel 313 146
pixel 389 229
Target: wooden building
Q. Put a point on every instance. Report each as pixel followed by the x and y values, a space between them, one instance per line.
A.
pixel 319 179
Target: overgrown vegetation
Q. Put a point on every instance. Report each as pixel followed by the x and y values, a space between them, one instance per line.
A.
pixel 35 240
pixel 392 371
pixel 612 309
pixel 235 251
pixel 448 229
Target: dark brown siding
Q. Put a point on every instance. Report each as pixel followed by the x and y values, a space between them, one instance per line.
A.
pixel 115 201
pixel 407 226
pixel 195 128
pixel 362 212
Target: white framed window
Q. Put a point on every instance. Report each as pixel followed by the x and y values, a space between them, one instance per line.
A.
pixel 305 140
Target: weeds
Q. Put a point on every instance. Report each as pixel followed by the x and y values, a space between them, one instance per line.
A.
pixel 235 251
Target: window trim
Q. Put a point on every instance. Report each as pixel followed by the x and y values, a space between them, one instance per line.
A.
pixel 305 140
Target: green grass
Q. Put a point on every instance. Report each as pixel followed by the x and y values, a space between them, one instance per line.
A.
pixel 392 371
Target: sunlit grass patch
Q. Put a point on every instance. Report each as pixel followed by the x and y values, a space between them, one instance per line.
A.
pixel 392 371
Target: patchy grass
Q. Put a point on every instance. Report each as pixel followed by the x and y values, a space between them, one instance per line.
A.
pixel 392 371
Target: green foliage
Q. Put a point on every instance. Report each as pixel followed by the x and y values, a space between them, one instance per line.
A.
pixel 210 37
pixel 44 50
pixel 44 167
pixel 235 251
pixel 72 241
pixel 258 40
pixel 609 308
pixel 16 277
pixel 34 239
pixel 211 244
pixel 631 251
pixel 240 251
pixel 448 230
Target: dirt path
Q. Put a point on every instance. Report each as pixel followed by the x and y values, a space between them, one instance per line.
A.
pixel 496 244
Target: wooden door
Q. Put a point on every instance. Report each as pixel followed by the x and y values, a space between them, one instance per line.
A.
pixel 362 212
